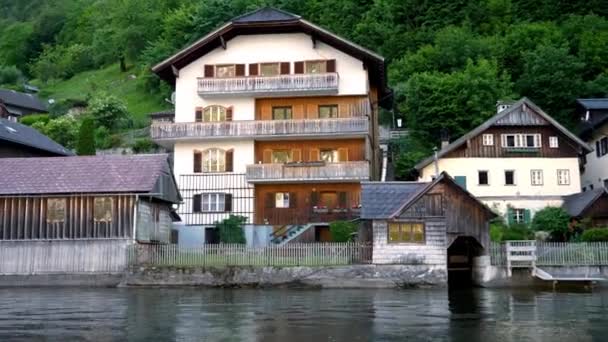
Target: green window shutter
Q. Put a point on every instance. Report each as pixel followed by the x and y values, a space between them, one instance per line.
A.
pixel 510 220
pixel 461 180
pixel 527 216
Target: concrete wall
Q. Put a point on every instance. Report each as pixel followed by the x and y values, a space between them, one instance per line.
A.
pixel 596 169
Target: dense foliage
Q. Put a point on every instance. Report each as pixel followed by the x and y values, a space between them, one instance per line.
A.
pixel 343 231
pixel 85 146
pixel 231 229
pixel 595 235
pixel 449 61
pixel 553 220
pixel 499 231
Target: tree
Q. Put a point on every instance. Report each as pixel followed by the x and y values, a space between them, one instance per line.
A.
pixel 342 231
pixel 553 220
pixel 231 229
pixel 62 130
pixel 407 152
pixel 86 138
pixel 108 111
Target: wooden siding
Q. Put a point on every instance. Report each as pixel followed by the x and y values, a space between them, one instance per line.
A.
pixel 474 148
pixel 308 107
pixel 522 117
pixel 25 218
pixel 432 253
pixel 309 150
pixel 598 212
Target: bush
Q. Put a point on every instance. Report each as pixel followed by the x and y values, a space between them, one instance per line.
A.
pixel 231 229
pixel 30 120
pixel 343 231
pixel 108 111
pixel 86 138
pixel 500 232
pixel 143 145
pixel 595 235
pixel 554 220
pixel 62 130
pixel 10 75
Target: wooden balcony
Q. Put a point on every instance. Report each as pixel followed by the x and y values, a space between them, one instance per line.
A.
pixel 308 172
pixel 350 127
pixel 281 85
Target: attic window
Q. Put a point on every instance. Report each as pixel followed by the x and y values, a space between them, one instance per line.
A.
pixel 521 141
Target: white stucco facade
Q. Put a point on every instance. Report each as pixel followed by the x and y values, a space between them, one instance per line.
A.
pixel 596 168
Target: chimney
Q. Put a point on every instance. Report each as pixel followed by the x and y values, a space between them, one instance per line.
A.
pixel 445 137
pixel 502 105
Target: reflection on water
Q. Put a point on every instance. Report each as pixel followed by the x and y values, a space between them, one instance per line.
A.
pixel 301 315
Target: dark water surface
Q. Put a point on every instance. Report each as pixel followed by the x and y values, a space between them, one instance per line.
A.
pixel 194 314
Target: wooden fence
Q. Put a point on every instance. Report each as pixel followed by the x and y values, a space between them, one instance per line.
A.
pixel 552 253
pixel 313 254
pixel 31 257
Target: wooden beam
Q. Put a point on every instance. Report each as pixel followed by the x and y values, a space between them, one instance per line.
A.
pixel 175 71
pixel 223 42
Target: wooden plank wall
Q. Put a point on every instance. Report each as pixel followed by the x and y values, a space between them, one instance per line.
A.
pixel 25 218
pixel 355 147
pixel 308 107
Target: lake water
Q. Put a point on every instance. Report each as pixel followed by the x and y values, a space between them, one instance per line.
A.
pixel 194 314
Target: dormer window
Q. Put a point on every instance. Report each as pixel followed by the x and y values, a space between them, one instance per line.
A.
pixel 521 141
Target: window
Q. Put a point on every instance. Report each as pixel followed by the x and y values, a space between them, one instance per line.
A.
pixel 214 113
pixel 488 139
pixel 213 202
pixel 412 232
pixel 281 200
pixel 509 177
pixel 328 111
pixel 518 215
pixel 563 177
pixel 281 156
pixel 315 67
pixel 281 113
pixel 521 140
pixel 223 71
pixel 214 160
pixel 329 199
pixel 606 183
pixel 330 156
pixel 269 69
pixel 553 142
pixel 601 147
pixel 536 177
pixel 55 210
pixel 102 209
pixel 483 177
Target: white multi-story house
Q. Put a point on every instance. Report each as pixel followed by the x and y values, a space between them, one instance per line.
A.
pixel 275 120
pixel 517 162
pixel 593 129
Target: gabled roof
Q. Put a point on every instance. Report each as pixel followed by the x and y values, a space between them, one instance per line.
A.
pixel 270 20
pixel 144 174
pixel 598 116
pixel 17 133
pixel 594 104
pixel 23 100
pixel 505 118
pixel 577 204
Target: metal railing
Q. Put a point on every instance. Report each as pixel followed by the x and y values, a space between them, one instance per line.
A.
pixel 355 170
pixel 549 253
pixel 293 83
pixel 221 255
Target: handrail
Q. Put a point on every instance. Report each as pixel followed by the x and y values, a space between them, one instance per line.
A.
pixel 258 84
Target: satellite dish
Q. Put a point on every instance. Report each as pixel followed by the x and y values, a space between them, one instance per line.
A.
pixel 172 100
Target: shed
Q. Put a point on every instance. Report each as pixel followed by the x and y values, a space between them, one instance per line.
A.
pixel 591 204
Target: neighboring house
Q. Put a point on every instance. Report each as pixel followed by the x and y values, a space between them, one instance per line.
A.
pixel 591 204
pixel 431 226
pixel 593 128
pixel 14 104
pixel 162 116
pixel 275 120
pixel 517 162
pixel 17 140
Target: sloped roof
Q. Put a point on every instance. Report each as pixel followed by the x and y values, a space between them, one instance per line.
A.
pixel 601 103
pixel 24 100
pixel 576 204
pixel 146 174
pixel 502 118
pixel 24 135
pixel 265 14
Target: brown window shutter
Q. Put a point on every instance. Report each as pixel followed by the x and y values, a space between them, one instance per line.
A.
pixel 293 203
pixel 285 68
pixel 315 154
pixel 343 154
pixel 209 70
pixel 298 67
pixel 198 114
pixel 270 197
pixel 330 65
pixel 229 160
pixel 267 158
pixel 228 202
pixel 239 69
pixel 314 198
pixel 342 199
pixel 253 69
pixel 296 155
pixel 198 162
pixel 229 114
pixel 196 204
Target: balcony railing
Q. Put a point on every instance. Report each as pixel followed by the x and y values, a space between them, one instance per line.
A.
pixel 314 171
pixel 259 128
pixel 326 83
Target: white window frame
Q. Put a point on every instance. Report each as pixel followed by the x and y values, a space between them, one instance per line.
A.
pixel 231 70
pixel 214 113
pixel 214 165
pixel 520 140
pixel 488 139
pixel 536 177
pixel 213 202
pixel 563 177
pixel 519 215
pixel 281 200
pixel 553 142
pixel 333 154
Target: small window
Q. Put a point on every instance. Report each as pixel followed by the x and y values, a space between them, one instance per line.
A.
pixel 563 177
pixel 553 142
pixel 536 177
pixel 521 140
pixel 281 156
pixel 488 139
pixel 213 202
pixel 483 177
pixel 214 113
pixel 281 113
pixel 214 160
pixel 102 209
pixel 509 177
pixel 315 67
pixel 269 69
pixel 509 141
pixel 55 210
pixel 329 156
pixel 328 199
pixel 282 200
pixel 223 71
pixel 519 215
pixel 328 111
pixel 406 232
